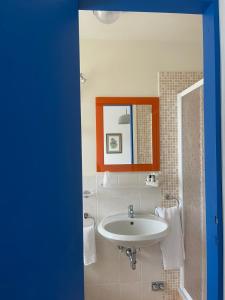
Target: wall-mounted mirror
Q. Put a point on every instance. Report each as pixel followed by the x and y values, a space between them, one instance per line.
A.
pixel 127 134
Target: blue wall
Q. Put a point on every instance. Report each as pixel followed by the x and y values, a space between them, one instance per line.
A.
pixel 213 175
pixel 40 161
pixel 40 155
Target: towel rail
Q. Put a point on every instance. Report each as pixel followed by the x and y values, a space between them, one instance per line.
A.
pixel 87 216
pixel 169 197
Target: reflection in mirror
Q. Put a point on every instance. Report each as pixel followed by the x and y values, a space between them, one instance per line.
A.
pixel 127 134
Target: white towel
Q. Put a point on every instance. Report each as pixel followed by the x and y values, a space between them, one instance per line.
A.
pixel 89 241
pixel 172 246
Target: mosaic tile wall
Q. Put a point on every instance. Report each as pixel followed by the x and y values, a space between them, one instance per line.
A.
pixel 143 134
pixel 170 84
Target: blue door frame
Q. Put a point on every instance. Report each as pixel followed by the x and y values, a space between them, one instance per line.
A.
pixel 40 161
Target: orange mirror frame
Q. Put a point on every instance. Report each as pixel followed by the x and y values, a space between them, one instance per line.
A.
pixel 100 103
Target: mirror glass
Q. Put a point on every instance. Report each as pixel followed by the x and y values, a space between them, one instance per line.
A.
pixel 127 134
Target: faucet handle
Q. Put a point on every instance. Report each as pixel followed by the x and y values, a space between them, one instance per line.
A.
pixel 131 211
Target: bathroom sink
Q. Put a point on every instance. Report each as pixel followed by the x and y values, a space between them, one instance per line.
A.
pixel 139 231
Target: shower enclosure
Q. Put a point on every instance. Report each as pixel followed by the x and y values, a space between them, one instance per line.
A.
pixel 191 190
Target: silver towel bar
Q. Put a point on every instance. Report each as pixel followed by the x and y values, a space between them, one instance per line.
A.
pixel 86 216
pixel 169 197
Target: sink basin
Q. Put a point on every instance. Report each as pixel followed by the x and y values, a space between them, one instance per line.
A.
pixel 140 231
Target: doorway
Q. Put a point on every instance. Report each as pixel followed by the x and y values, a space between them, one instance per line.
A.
pixel 212 120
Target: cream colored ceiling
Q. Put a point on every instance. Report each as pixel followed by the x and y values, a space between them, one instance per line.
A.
pixel 143 26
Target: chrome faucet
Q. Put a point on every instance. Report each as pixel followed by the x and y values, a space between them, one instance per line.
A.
pixel 131 211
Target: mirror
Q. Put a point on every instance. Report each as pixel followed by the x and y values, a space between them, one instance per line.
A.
pixel 127 134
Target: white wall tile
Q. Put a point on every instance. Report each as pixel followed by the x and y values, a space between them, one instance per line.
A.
pixel 107 267
pixel 142 177
pixel 130 291
pixel 113 179
pixel 102 292
pixel 89 183
pixel 109 205
pixel 112 269
pixel 148 294
pixel 151 263
pixel 150 199
pixel 127 275
pixel 128 179
pixel 90 206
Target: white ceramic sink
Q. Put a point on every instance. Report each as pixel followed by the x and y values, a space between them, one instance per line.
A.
pixel 140 231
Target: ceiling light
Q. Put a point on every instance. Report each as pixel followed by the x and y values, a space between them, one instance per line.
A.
pixel 106 17
pixel 124 119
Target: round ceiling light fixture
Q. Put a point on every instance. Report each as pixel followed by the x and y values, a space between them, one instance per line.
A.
pixel 124 119
pixel 106 17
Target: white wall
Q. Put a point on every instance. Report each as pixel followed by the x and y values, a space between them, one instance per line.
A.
pixel 125 68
